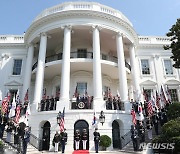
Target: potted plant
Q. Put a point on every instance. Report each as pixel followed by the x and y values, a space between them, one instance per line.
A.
pixel 1 147
pixel 105 141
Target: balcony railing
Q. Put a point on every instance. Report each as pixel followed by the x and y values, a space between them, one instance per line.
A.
pixel 76 54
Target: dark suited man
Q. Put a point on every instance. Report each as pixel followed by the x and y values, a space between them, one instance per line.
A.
pixel 96 139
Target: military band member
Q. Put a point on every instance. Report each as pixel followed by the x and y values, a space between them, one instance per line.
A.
pixel 84 138
pixel 77 138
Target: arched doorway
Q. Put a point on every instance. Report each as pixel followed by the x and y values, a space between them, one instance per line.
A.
pixel 116 135
pixel 46 136
pixel 80 125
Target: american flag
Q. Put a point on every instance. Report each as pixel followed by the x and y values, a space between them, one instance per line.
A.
pixel 76 92
pixel 4 105
pixel 150 108
pixel 168 93
pixel 163 97
pixel 158 100
pixel 26 97
pixel 145 95
pixel 18 111
pixel 61 124
pixel 133 116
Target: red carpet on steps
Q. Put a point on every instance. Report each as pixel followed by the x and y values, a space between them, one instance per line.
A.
pixel 81 152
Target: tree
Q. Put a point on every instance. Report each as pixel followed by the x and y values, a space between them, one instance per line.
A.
pixel 174 34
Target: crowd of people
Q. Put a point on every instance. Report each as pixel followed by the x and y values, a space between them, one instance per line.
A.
pixel 48 104
pixel 17 134
pixel 148 121
pixel 114 103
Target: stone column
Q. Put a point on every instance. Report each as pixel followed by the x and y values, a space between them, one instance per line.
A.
pixel 134 72
pixel 97 76
pixel 40 70
pixel 121 68
pixel 65 74
pixel 28 70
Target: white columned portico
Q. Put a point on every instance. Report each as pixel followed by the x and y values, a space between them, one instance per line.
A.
pixel 134 72
pixel 122 70
pixel 65 74
pixel 28 70
pixel 97 75
pixel 40 70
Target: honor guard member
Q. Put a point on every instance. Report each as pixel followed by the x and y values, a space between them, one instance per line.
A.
pixel 149 127
pixel 141 132
pixel 84 138
pixel 63 136
pixel 96 139
pixel 56 141
pixel 77 138
pixel 135 138
pixel 155 119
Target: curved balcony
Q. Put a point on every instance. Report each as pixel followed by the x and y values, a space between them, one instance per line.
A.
pixel 87 55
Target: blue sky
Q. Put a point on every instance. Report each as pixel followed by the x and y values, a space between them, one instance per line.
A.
pixel 149 17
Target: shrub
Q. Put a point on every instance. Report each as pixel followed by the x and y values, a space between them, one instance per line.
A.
pixel 1 145
pixel 176 140
pixel 173 111
pixel 171 128
pixel 105 141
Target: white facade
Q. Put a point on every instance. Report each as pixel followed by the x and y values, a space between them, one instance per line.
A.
pixel 110 43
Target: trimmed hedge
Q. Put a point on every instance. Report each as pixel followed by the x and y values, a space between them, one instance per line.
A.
pixel 173 111
pixel 105 141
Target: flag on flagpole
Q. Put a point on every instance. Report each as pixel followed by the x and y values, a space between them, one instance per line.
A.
pixel 28 112
pixel 62 122
pixel 18 111
pixel 168 94
pixel 4 105
pixel 12 111
pixel 158 101
pixel 150 108
pixel 163 97
pixel 94 122
pixel 76 92
pixel 133 116
pixel 26 97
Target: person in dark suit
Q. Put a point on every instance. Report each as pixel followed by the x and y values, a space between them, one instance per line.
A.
pixel 26 139
pixel 63 136
pixel 51 103
pixel 135 138
pixel 96 139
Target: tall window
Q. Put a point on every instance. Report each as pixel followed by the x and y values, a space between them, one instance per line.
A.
pixel 174 96
pixel 82 53
pixel 81 87
pixel 145 66
pixel 168 67
pixel 17 66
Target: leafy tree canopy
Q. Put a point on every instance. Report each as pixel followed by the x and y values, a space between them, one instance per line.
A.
pixel 174 34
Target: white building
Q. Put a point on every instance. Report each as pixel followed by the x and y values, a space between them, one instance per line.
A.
pixel 94 48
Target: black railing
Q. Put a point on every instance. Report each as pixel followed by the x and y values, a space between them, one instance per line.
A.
pixel 76 54
pixel 36 142
pixel 125 139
